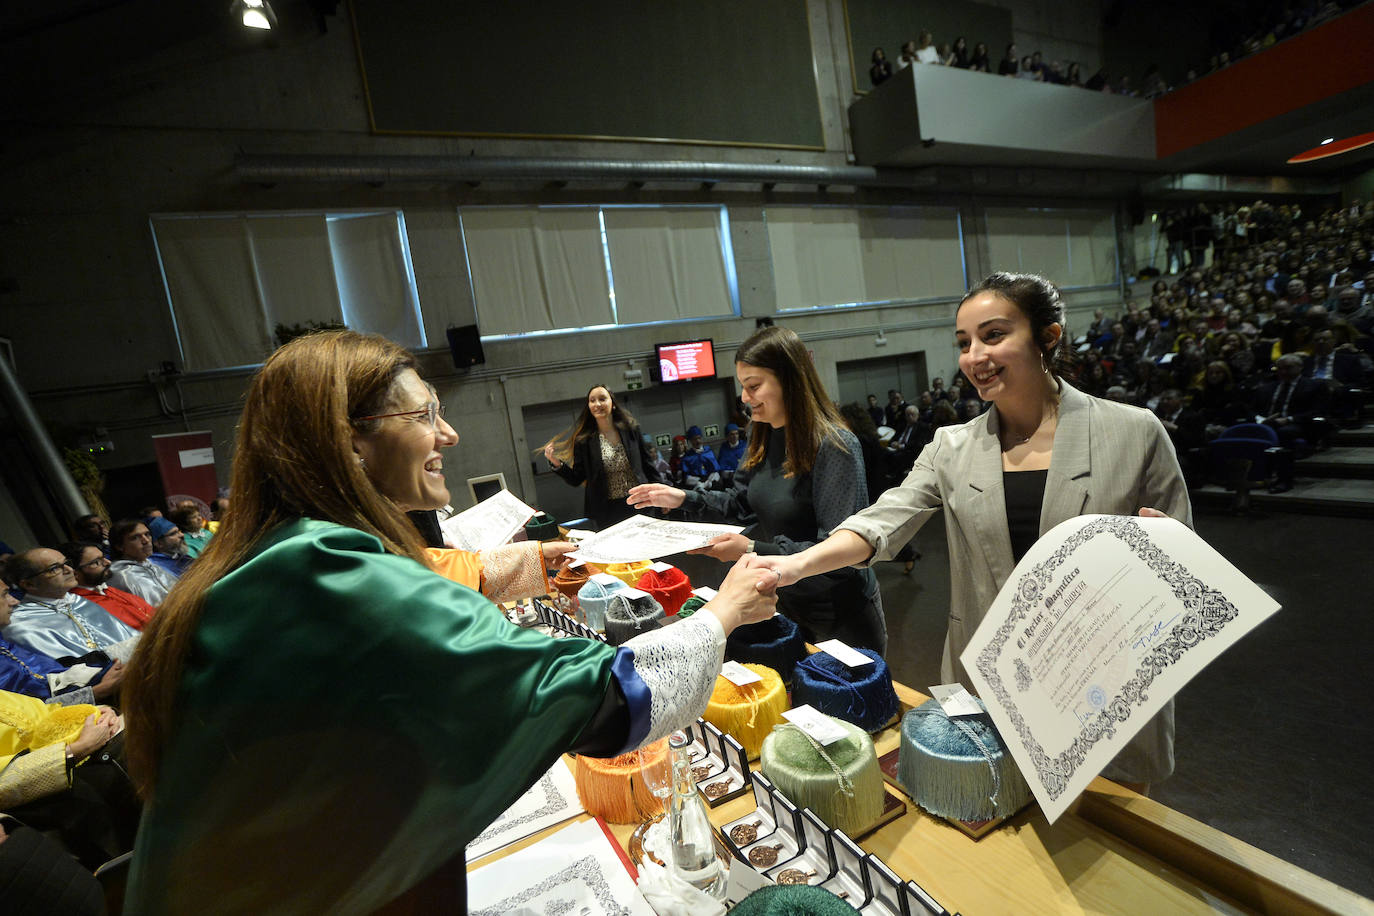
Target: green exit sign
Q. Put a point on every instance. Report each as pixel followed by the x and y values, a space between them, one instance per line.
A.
pixel 634 385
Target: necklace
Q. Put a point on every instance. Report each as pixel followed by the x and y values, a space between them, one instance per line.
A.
pixel 1022 440
pixel 74 618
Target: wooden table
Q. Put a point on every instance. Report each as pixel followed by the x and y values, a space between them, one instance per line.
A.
pixel 1113 851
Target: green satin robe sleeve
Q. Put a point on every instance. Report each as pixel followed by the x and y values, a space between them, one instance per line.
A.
pixel 348 721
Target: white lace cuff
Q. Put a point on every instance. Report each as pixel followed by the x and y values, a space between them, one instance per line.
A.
pixel 671 675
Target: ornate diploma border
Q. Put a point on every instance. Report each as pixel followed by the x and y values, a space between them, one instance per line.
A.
pixel 1207 612
pixel 586 869
pixel 553 802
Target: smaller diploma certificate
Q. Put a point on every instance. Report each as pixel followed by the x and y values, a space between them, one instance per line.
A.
pixel 642 538
pixel 1104 620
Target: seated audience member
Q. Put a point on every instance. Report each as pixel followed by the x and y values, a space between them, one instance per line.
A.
pixel 1027 72
pixel 61 771
pixel 132 571
pixel 960 54
pixel 660 463
pixel 895 411
pixel 925 403
pixel 979 61
pixel 926 52
pixel 93 530
pixel 34 674
pixel 907 57
pixel 218 506
pixel 92 570
pixel 194 535
pixel 1291 404
pixel 1185 427
pixel 937 389
pixel 1010 63
pixel 1218 400
pixel 675 460
pixel 903 448
pixel 53 621
pixel 150 512
pixel 875 411
pixel 881 69
pixel 732 449
pixel 699 462
pixel 169 551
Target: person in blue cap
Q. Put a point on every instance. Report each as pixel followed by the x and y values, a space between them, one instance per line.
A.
pixel 731 450
pixel 700 466
pixel 169 549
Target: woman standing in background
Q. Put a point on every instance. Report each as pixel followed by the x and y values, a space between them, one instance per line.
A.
pixel 604 451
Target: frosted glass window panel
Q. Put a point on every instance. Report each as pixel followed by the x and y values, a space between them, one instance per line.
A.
pixel 817 256
pixel 667 263
pixel 373 275
pixel 536 269
pixel 295 269
pixel 911 253
pixel 208 264
pixel 1028 241
pixel 1069 247
pixel 1092 248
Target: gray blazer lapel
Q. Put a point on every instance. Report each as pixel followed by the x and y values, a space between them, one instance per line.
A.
pixel 1070 475
pixel 986 518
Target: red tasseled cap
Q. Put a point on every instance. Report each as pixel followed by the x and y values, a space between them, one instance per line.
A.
pixel 669 588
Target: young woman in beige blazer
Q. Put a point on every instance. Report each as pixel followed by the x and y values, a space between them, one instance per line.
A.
pixel 1042 443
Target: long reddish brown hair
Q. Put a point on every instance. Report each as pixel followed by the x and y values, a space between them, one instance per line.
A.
pixel 293 458
pixel 811 416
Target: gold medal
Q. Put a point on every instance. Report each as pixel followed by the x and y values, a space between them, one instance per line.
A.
pixel 764 856
pixel 700 773
pixel 744 834
pixel 717 789
pixel 794 876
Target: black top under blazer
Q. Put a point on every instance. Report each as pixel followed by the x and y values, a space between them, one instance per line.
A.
pixel 586 467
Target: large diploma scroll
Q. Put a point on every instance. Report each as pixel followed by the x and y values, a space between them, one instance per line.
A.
pixel 1104 620
pixel 642 538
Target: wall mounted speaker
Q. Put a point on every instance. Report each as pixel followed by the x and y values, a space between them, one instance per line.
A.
pixel 466 346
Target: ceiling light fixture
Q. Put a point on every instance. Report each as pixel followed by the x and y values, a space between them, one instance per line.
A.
pixel 1327 140
pixel 255 14
pixel 1333 147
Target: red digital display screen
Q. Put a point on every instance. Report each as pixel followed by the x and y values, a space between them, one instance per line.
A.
pixel 682 362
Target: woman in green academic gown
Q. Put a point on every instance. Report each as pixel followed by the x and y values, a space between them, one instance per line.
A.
pixel 317 720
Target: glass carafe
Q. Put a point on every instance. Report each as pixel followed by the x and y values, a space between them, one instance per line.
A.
pixel 689 827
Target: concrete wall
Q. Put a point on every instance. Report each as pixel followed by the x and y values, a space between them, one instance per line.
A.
pixel 83 301
pixel 1070 30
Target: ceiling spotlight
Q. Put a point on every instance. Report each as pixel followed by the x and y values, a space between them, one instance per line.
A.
pixel 1328 140
pixel 255 14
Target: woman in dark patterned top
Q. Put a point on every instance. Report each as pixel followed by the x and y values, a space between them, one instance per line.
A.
pixel 605 451
pixel 802 472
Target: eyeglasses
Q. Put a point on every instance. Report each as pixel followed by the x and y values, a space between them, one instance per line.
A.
pixel 52 569
pixel 98 561
pixel 431 412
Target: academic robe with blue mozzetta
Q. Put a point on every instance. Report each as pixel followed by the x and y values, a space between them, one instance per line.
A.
pixel 25 671
pixel 348 721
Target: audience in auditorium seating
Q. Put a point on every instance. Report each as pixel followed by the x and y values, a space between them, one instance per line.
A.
pixel 22 670
pixel 1270 320
pixel 53 621
pixel 1233 38
pixel 92 570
